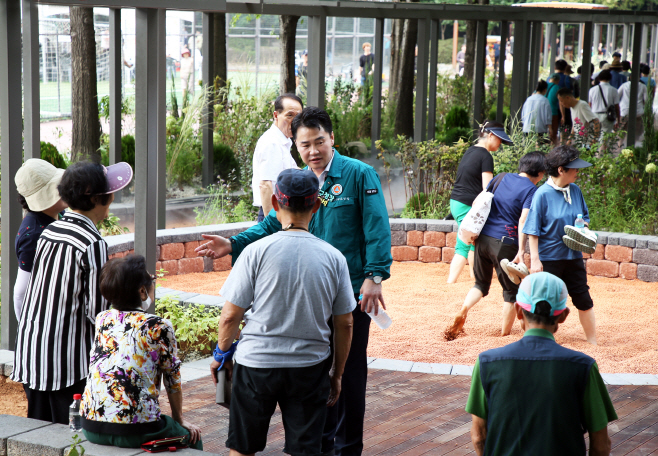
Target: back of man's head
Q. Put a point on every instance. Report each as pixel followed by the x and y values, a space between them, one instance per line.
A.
pixel 605 75
pixel 311 117
pixel 565 92
pixel 296 190
pixel 626 65
pixel 278 103
pixel 560 65
pixel 542 86
pixel 645 69
pixel 616 54
pixel 533 163
pixel 602 63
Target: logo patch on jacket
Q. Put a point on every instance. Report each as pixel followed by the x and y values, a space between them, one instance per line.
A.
pixel 337 189
pixel 372 191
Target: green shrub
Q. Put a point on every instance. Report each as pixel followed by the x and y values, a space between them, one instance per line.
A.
pixel 50 154
pixel 457 117
pixel 493 112
pixel 225 164
pixel 127 150
pixel 453 135
pixel 416 206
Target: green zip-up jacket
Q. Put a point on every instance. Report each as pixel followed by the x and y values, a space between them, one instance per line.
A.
pixel 352 218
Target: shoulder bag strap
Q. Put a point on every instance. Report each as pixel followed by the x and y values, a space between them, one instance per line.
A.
pixel 495 182
pixel 603 96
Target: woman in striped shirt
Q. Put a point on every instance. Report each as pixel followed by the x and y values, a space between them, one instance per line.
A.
pixel 62 300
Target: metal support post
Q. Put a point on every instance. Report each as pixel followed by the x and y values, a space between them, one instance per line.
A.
pixel 563 38
pixel 207 67
pixel 478 76
pixel 614 38
pixel 11 141
pixel 608 38
pixel 378 46
pixel 580 41
pixel 500 99
pixel 317 39
pixel 586 71
pixel 434 61
pixel 31 79
pixel 520 67
pixel 643 49
pixel 597 38
pixel 652 54
pixel 635 81
pixel 624 42
pixel 149 125
pixel 535 53
pixel 547 39
pixel 420 121
pixel 551 66
pixel 257 53
pixel 116 67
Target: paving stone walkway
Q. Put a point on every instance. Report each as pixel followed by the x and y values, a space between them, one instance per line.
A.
pixel 415 413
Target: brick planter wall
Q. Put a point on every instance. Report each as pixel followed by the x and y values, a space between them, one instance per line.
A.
pixel 622 255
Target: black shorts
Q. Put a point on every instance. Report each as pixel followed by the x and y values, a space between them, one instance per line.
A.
pixel 574 275
pixel 488 253
pixel 301 393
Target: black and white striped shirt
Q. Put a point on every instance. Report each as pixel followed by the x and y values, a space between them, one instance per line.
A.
pixel 56 327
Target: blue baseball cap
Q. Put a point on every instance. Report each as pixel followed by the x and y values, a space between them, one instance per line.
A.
pixel 500 132
pixel 542 286
pixel 297 183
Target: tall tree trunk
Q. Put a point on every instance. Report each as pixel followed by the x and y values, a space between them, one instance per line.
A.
pixel 404 108
pixel 396 42
pixel 471 32
pixel 86 132
pixel 287 35
pixel 220 70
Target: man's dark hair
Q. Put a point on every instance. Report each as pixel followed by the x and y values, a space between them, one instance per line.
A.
pixel 626 65
pixel 532 163
pixel 616 54
pixel 542 85
pixel 296 205
pixel 122 278
pixel 561 65
pixel 23 202
pixel 601 63
pixel 311 117
pixel 644 68
pixel 542 315
pixel 83 186
pixel 560 156
pixel 565 92
pixel 605 75
pixel 278 103
pixel 580 69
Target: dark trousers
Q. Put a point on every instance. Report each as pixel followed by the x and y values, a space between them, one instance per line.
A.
pixel 343 430
pixel 52 405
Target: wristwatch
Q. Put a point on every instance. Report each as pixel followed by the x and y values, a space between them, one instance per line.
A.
pixel 374 278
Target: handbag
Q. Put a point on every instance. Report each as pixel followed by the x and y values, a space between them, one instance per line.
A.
pixel 610 111
pixel 474 221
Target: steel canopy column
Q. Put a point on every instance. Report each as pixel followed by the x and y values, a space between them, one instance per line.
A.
pixel 551 66
pixel 534 58
pixel 378 47
pixel 500 99
pixel 434 60
pixel 624 42
pixel 478 76
pixel 420 122
pixel 643 50
pixel 161 140
pixel 586 71
pixel 31 79
pixel 547 39
pixel 207 67
pixel 520 66
pixel 563 38
pixel 317 44
pixel 149 30
pixel 608 38
pixel 597 38
pixel 580 41
pixel 116 66
pixel 635 81
pixel 11 137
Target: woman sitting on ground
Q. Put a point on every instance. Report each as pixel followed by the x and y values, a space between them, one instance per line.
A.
pixel 131 349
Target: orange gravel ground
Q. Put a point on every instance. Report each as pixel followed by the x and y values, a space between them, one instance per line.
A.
pixel 422 305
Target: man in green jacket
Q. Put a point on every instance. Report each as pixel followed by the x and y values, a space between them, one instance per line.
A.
pixel 352 218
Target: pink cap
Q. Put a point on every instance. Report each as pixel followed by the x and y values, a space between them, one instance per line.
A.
pixel 118 176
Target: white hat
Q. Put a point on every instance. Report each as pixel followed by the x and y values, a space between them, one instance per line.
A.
pixel 37 182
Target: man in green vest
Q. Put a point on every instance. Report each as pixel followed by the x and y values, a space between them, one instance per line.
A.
pixel 352 218
pixel 535 397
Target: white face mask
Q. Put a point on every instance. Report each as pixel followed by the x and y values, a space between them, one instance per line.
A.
pixel 146 304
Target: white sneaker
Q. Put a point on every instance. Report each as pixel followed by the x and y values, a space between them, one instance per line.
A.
pixel 515 272
pixel 581 235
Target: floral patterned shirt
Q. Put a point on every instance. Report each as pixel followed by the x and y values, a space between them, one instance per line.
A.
pixel 131 349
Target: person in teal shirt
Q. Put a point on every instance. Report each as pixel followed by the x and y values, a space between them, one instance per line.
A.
pixel 352 218
pixel 551 94
pixel 535 397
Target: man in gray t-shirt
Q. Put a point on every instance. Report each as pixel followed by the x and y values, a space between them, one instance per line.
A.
pixel 294 282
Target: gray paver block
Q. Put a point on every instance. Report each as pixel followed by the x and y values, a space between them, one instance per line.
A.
pixel 421 226
pixel 602 237
pixel 199 363
pixel 206 300
pixel 613 238
pixel 180 296
pixel 653 243
pixel 444 226
pixel 398 238
pixel 425 368
pixel 409 226
pixel 92 449
pixel 13 425
pixel 613 379
pixel 441 368
pixel 645 256
pixel 642 242
pixel 7 369
pixel 391 364
pixel 638 379
pixel 6 356
pixel 49 440
pixel 396 225
pixel 629 240
pixel 188 374
pixel 460 369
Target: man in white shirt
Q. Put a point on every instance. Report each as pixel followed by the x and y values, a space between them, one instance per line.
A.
pixel 601 97
pixel 536 114
pixel 584 120
pixel 624 103
pixel 272 153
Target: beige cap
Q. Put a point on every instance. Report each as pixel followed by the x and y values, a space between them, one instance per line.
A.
pixel 37 181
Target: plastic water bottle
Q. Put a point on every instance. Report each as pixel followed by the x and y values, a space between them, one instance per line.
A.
pixel 579 223
pixel 75 420
pixel 382 319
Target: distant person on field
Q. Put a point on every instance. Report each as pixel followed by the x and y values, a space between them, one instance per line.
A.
pixel 295 283
pixel 37 182
pixel 624 108
pixel 536 114
pixel 581 113
pixel 601 97
pixel 187 73
pixel 272 153
pixel 366 63
pixel 461 58
pixel 502 237
pixel 535 397
pixel 302 76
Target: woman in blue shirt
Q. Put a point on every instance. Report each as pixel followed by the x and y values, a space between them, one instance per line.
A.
pixel 555 204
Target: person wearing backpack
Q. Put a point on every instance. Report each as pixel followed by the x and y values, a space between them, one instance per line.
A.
pixel 502 238
pixel 604 101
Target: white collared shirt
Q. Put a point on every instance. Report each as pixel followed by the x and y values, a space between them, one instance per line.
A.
pixel 625 98
pixel 610 93
pixel 323 175
pixel 271 156
pixel 536 114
